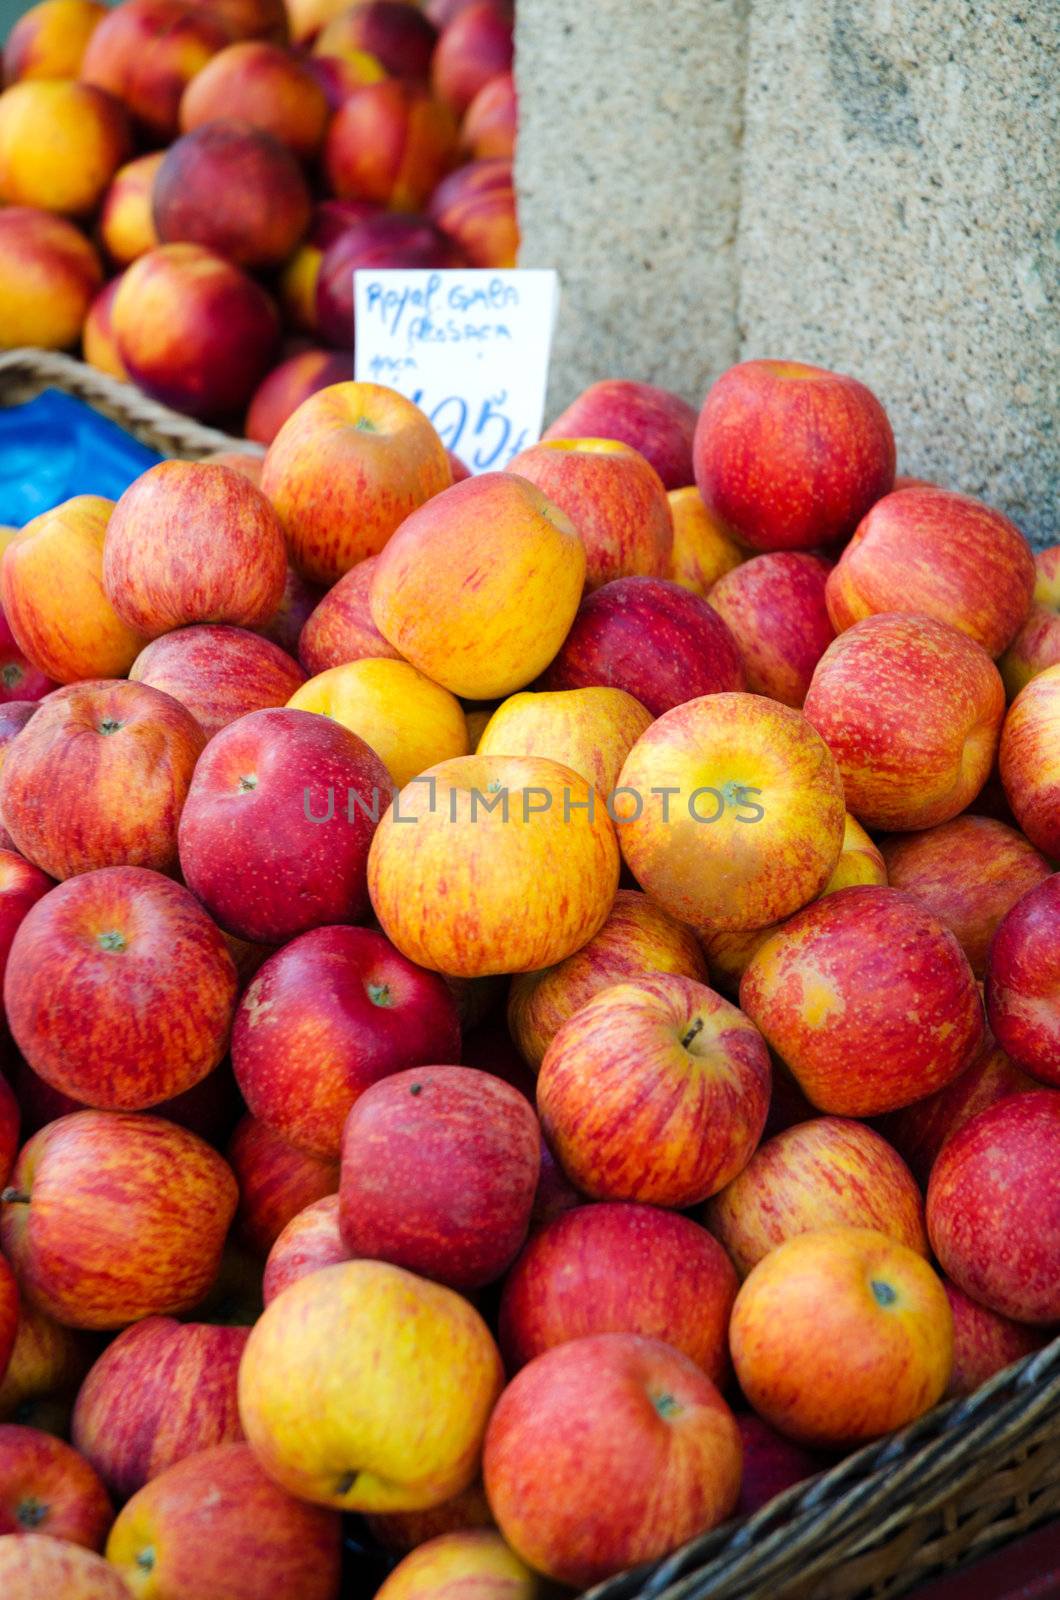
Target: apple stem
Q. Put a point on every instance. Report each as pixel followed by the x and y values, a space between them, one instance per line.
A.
pixel 697 1027
pixel 15 1197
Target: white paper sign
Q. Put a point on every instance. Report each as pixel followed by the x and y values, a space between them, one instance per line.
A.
pixel 471 348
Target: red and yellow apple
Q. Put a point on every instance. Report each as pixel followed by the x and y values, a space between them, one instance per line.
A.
pixel 218 672
pixel 264 86
pixel 407 1373
pixel 826 1173
pixel 488 129
pixel 99 345
pixel 126 222
pixel 479 587
pixel 912 710
pixel 49 39
pixel 389 143
pixel 49 276
pixel 775 608
pixel 35 1564
pixel 615 499
pixel 1037 644
pixel 984 1342
pixel 661 643
pixel 193 330
pixel 703 549
pixel 46 1487
pixel 654 421
pixel 214 1524
pixel 730 811
pixel 398 35
pixel 1023 982
pixel 346 470
pixel 968 873
pixel 340 627
pixel 162 1391
pixel 119 989
pixel 526 854
pixel 310 1240
pixel 867 999
pixel 589 730
pixel 233 188
pixel 276 1182
pixel 282 391
pixel 475 207
pixel 99 778
pixel 656 1090
pixel 638 938
pixel 942 555
pixel 1029 764
pixel 473 48
pixel 409 721
pixel 841 1335
pixel 295 798
pixel 146 51
pixel 615 1268
pixel 630 1412
pixel 113 1216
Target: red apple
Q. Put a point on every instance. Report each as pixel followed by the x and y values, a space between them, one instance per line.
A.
pixel 14 714
pixel 276 1181
pixel 490 123
pixel 1028 763
pixel 193 330
pixel 968 873
pixel 654 421
pixel 919 1131
pixel 394 33
pixel 473 48
pixel 233 188
pixel 119 989
pixel 615 1268
pixel 35 1564
pixel 656 1090
pixel 327 1016
pixel 439 1171
pixel 112 1216
pixel 160 1392
pixel 942 555
pixel 258 82
pixel 193 542
pixel 300 599
pixel 46 1487
pixel 294 798
pixel 651 637
pixel 824 1173
pixel 1037 644
pixel 615 499
pixel 775 610
pixel 1023 982
pixel 912 710
pixel 218 672
pixel 385 240
pixel 638 937
pixel 771 1463
pixel 867 999
pixel 792 456
pixel 214 1524
pixel 210 1108
pixel 21 886
pixel 993 1207
pixel 281 391
pixel 47 1364
pixel 632 1413
pixel 340 628
pixel 146 51
pixel 310 1240
pixel 9 1310
pixel 20 680
pixel 389 143
pixel 475 208
pixel 984 1342
pixel 99 778
pixel 10 1121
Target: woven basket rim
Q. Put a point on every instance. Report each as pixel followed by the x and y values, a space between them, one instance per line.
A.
pixel 151 422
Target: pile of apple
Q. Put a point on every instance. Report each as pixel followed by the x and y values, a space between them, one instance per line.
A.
pixel 532 1004
pixel 303 143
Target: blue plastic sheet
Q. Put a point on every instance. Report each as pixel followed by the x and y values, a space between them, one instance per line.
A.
pixel 54 447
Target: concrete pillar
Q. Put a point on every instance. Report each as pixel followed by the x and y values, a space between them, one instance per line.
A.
pixel 628 180
pixel 887 170
pixel 899 220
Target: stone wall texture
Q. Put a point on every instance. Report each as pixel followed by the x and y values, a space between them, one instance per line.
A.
pixel 873 185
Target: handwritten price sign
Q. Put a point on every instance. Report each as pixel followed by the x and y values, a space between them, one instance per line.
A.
pixel 470 348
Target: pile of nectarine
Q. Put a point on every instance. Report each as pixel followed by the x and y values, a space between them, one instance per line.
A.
pixel 531 1005
pixel 187 186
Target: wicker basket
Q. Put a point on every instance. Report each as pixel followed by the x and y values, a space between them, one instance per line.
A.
pixel 24 373
pixel 962 1480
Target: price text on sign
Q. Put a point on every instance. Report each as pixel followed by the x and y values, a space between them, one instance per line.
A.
pixel 470 348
